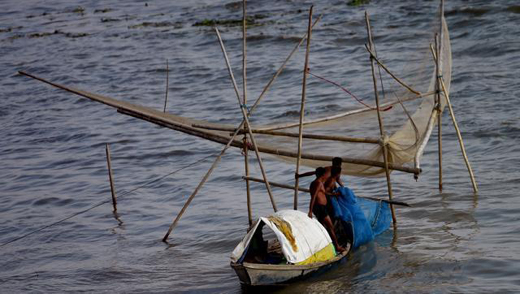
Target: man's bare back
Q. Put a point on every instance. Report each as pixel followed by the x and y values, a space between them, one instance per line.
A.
pixel 330 183
pixel 318 204
pixel 336 162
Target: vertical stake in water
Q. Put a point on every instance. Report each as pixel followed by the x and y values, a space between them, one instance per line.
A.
pixel 244 101
pixel 111 178
pixel 380 119
pixel 438 103
pixel 302 108
pixel 456 126
pixel 438 47
pixel 167 82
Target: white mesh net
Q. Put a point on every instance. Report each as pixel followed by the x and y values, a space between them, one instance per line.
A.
pixel 405 132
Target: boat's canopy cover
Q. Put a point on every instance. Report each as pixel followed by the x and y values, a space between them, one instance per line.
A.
pixel 302 239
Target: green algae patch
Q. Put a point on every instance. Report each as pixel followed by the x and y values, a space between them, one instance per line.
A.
pixel 104 10
pixel 161 24
pixel 250 21
pixel 358 2
pixel 56 32
pixel 109 19
pixel 514 9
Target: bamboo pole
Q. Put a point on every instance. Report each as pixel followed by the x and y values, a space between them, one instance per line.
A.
pixel 438 63
pixel 244 102
pixel 374 57
pixel 111 178
pixel 438 45
pixel 294 135
pixel 459 136
pixel 302 108
pixel 246 119
pixel 164 120
pixel 280 152
pixel 285 186
pixel 439 73
pixel 321 137
pixel 161 119
pixel 457 130
pixel 379 118
pixel 167 82
pixel 201 183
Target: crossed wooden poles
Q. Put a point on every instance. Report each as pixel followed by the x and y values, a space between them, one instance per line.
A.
pixel 247 130
pixel 245 124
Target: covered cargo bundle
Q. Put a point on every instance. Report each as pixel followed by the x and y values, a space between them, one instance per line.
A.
pixel 302 240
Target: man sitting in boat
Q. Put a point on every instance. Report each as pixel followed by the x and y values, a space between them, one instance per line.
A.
pixel 336 162
pixel 318 204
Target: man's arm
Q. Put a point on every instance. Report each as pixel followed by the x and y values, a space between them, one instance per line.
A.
pixel 340 182
pixel 311 173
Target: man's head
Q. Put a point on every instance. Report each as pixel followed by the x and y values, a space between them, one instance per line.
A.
pixel 321 172
pixel 337 161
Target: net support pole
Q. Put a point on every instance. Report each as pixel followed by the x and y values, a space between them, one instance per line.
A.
pixel 438 44
pixel 246 121
pixel 439 48
pixel 244 101
pixel 459 136
pixel 111 178
pixel 302 109
pixel 380 119
pixel 456 126
pixel 167 82
pixel 201 183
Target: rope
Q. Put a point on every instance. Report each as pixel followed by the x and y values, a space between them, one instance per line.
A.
pixel 123 194
pixel 346 91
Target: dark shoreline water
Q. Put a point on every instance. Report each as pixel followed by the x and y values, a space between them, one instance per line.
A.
pixel 53 164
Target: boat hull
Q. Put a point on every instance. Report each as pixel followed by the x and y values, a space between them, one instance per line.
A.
pixel 254 274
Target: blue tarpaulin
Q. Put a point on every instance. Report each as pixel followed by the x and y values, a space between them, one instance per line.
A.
pixel 368 218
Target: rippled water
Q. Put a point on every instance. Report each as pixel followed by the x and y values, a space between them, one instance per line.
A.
pixel 53 163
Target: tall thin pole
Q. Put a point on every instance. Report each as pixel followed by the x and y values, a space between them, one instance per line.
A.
pixel 201 183
pixel 302 108
pixel 456 125
pixel 459 136
pixel 111 178
pixel 244 101
pixel 167 82
pixel 246 119
pixel 438 106
pixel 439 49
pixel 380 119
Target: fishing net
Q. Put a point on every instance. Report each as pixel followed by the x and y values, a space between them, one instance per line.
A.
pixel 408 123
pixel 408 119
pixel 366 218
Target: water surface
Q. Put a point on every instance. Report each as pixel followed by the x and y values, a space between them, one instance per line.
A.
pixel 53 162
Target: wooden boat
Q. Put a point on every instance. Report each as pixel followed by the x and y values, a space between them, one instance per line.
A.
pixel 255 274
pixel 274 267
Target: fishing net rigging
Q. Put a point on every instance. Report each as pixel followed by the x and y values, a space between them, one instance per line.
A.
pixel 407 126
